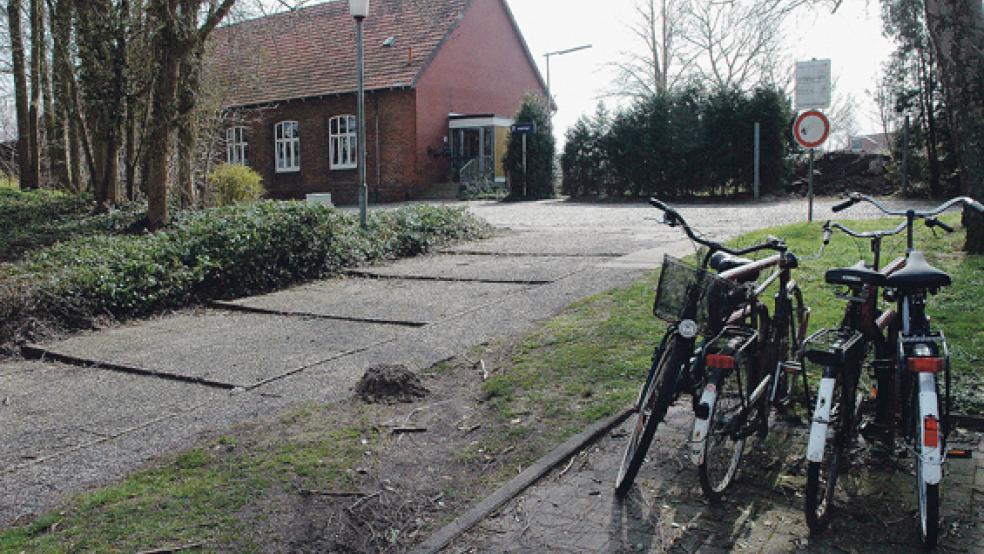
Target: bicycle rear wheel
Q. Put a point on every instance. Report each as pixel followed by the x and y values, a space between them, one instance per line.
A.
pixel 722 452
pixel 654 401
pixel 821 477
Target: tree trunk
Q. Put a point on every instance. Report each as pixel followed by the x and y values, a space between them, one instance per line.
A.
pixel 20 87
pixel 34 111
pixel 163 106
pixel 188 88
pixel 59 148
pixel 957 29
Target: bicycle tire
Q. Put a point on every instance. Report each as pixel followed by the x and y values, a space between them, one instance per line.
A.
pixel 928 495
pixel 653 404
pixel 721 453
pixel 821 477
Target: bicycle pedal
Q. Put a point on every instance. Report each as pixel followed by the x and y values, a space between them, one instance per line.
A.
pixel 960 454
pixel 791 368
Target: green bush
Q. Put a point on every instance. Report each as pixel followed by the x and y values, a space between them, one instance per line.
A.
pixel 235 183
pixel 538 181
pixel 686 142
pixel 212 254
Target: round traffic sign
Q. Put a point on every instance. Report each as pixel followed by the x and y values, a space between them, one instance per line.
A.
pixel 811 129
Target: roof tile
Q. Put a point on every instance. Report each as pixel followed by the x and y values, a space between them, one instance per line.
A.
pixel 310 52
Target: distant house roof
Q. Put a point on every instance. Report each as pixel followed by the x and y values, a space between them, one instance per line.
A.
pixel 310 52
pixel 876 143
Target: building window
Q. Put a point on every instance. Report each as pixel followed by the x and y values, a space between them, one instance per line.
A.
pixel 288 146
pixel 343 142
pixel 237 149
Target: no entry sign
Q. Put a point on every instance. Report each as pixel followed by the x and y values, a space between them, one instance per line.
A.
pixel 811 129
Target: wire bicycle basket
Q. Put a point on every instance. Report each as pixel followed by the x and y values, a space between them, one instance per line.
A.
pixel 688 292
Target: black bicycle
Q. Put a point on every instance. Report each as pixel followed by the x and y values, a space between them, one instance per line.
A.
pixel 743 363
pixel 913 352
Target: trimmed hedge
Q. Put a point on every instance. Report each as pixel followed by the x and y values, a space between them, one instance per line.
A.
pixel 213 254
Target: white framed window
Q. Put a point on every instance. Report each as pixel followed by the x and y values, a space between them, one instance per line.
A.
pixel 343 142
pixel 237 149
pixel 287 146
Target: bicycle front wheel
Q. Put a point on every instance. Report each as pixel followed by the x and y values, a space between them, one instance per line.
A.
pixel 722 451
pixel 821 477
pixel 654 401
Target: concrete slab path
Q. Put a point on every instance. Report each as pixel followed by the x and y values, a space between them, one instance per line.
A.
pixel 77 427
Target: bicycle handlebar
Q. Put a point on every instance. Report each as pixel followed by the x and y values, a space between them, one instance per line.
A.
pixel 856 198
pixel 674 218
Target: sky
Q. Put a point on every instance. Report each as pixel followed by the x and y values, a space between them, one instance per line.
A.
pixel 851 38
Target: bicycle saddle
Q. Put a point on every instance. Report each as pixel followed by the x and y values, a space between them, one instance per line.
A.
pixel 857 274
pixel 918 274
pixel 722 261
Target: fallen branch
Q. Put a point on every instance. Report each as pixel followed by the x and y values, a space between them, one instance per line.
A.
pixel 169 549
pixel 359 502
pixel 404 430
pixel 335 494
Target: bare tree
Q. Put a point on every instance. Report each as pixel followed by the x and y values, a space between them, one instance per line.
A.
pixel 14 16
pixel 650 69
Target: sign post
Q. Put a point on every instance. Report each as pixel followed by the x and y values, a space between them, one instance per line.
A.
pixel 811 130
pixel 525 128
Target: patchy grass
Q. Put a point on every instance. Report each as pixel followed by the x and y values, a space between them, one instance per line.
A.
pixel 32 220
pixel 194 497
pixel 9 182
pixel 588 362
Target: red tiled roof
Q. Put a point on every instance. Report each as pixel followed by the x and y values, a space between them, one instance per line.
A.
pixel 310 52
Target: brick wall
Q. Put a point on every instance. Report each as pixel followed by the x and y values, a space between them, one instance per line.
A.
pixel 394 178
pixel 481 68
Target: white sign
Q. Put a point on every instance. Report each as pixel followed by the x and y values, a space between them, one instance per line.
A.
pixel 812 84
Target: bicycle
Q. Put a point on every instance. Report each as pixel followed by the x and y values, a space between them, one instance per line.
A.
pixel 741 340
pixel 918 355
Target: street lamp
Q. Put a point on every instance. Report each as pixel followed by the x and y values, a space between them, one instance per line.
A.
pixel 360 10
pixel 558 53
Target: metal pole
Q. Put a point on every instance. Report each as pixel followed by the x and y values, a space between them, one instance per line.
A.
pixel 525 179
pixel 549 98
pixel 809 188
pixel 360 79
pixel 758 158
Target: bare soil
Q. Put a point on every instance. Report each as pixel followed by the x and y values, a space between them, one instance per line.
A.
pixel 434 459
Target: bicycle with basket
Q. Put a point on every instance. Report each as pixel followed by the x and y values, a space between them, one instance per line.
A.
pixel 724 348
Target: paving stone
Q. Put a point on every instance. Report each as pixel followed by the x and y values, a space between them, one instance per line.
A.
pixel 50 408
pixel 410 301
pixel 501 269
pixel 234 349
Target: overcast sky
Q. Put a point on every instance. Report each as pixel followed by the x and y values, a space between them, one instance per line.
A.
pixel 851 38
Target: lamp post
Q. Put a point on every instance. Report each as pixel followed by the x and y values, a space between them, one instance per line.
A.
pixel 360 10
pixel 558 53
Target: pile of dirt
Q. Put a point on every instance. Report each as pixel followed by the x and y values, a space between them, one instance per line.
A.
pixel 836 173
pixel 390 384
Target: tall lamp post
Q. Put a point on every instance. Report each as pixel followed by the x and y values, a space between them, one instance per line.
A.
pixel 558 53
pixel 360 10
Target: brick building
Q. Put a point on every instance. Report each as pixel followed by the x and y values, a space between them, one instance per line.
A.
pixel 443 79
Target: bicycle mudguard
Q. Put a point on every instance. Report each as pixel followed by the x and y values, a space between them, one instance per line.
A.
pixel 702 424
pixel 821 419
pixel 930 448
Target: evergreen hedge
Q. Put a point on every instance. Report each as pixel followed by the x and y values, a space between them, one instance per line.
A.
pixel 684 143
pixel 538 180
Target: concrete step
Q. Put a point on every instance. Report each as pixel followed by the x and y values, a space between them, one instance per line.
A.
pixel 439 191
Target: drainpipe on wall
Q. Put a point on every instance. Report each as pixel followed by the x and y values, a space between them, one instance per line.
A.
pixel 379 169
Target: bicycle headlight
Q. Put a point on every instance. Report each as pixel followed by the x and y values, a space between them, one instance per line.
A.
pixel 687 328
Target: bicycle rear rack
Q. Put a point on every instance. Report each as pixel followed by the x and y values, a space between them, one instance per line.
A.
pixel 830 347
